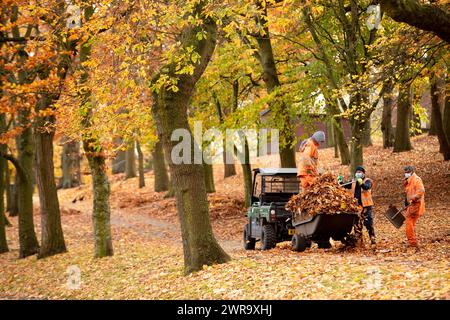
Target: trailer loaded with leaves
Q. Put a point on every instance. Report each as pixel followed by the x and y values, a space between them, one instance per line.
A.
pixel 325 210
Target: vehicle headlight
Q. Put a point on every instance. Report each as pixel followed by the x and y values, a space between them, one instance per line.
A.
pixel 272 211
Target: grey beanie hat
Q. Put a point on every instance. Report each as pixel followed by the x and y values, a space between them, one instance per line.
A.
pixel 408 169
pixel 319 136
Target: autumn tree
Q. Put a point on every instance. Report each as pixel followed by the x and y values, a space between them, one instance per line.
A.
pixel 170 113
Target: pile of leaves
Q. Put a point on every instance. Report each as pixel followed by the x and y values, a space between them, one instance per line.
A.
pixel 324 196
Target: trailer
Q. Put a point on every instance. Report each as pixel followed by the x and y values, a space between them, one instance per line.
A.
pixel 321 227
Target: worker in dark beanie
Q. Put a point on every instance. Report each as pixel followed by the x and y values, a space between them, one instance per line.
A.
pixel 362 191
pixel 415 202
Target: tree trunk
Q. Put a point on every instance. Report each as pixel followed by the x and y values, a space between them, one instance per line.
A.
pixel 229 168
pixel 3 167
pixel 209 178
pixel 171 192
pixel 101 211
pixel 159 168
pixel 70 164
pixel 170 113
pixel 27 237
pixel 402 135
pixel 356 147
pixel 52 238
pixel 342 144
pixel 247 176
pixel 436 92
pixel 367 134
pixel 118 163
pixel 279 110
pixel 141 165
pixel 8 186
pixel 332 78
pixel 386 120
pixel 14 197
pixel 96 159
pixel 331 140
pixel 432 131
pixel 130 161
pixel 446 120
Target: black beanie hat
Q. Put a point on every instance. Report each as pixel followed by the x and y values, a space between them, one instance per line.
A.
pixel 360 168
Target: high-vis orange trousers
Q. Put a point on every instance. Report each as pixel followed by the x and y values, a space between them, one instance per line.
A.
pixel 412 215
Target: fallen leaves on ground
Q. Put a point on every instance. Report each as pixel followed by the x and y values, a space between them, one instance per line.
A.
pixel 148 260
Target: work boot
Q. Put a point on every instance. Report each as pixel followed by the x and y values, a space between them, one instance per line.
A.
pixel 373 243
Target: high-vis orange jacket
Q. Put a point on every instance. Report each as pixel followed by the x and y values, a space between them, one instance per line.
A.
pixel 308 161
pixel 415 191
pixel 366 195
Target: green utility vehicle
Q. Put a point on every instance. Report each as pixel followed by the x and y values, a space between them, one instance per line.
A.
pixel 268 220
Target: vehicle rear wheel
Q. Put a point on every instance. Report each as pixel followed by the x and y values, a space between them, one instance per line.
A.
pixel 249 242
pixel 349 240
pixel 268 237
pixel 299 242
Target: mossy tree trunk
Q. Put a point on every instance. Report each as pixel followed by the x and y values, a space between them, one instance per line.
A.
pixel 356 147
pixel 170 113
pixel 101 208
pixel 402 136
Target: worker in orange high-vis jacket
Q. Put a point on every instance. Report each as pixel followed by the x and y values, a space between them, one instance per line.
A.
pixel 415 200
pixel 361 189
pixel 309 159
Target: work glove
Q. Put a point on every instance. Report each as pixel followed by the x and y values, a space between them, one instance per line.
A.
pixel 360 181
pixel 340 179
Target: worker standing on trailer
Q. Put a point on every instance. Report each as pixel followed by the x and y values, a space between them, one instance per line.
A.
pixel 309 159
pixel 362 190
pixel 415 202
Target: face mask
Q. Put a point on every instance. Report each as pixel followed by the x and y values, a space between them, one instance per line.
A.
pixel 407 175
pixel 359 175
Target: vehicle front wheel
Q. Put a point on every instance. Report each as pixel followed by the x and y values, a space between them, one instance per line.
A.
pixel 299 243
pixel 268 237
pixel 249 242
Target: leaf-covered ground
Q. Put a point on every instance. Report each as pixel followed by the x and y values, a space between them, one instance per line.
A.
pixel 148 261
